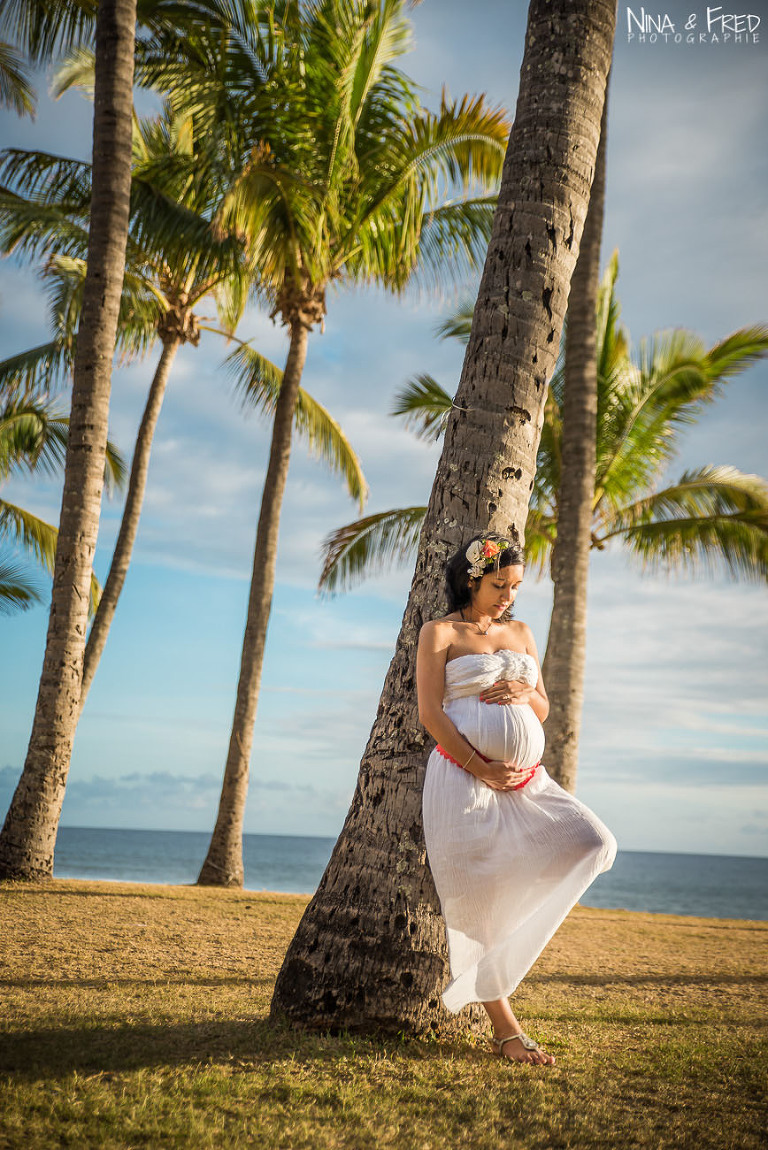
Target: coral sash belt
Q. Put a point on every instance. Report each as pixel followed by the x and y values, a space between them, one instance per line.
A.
pixel 442 751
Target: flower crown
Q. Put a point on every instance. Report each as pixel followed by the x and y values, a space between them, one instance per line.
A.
pixel 480 552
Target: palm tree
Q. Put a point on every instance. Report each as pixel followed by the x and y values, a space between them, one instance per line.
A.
pixel 175 259
pixel 565 658
pixel 33 439
pixel 344 179
pixel 29 832
pixel 712 517
pixel 370 949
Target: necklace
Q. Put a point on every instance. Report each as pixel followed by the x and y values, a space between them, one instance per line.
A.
pixel 487 629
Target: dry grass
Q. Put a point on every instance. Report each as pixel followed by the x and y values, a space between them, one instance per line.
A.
pixel 136 1016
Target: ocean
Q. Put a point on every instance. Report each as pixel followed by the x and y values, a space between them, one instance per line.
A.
pixel 713 886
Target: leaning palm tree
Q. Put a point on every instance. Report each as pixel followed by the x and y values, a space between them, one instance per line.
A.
pixel 33 440
pixel 370 949
pixel 711 518
pixel 345 179
pixel 29 832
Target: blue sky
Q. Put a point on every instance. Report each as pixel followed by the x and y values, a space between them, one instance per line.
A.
pixel 674 749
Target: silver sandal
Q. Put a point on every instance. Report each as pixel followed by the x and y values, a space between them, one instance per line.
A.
pixel 528 1042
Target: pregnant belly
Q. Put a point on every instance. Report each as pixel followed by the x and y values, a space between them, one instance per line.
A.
pixel 512 733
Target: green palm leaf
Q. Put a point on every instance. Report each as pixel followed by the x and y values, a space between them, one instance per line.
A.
pixel 713 517
pixel 45 367
pixel 33 435
pixel 329 443
pixel 18 592
pixel 257 380
pixel 458 325
pixel 426 407
pixel 47 178
pixel 45 29
pixel 23 529
pixel 453 241
pixel 15 89
pixel 351 552
pixel 645 405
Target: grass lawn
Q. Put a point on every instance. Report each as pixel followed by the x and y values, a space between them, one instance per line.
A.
pixel 136 1016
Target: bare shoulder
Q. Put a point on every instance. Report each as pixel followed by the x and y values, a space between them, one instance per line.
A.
pixel 519 636
pixel 436 632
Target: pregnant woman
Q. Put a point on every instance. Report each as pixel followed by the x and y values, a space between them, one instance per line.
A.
pixel 510 851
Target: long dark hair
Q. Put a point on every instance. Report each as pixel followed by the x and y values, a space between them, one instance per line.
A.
pixel 457 579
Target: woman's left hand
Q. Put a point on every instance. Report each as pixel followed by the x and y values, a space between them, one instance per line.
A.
pixel 506 691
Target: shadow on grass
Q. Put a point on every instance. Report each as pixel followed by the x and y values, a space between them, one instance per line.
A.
pixel 148 983
pixel 662 918
pixel 608 978
pixel 146 890
pixel 57 1052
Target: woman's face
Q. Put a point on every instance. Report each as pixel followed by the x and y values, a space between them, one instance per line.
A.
pixel 492 594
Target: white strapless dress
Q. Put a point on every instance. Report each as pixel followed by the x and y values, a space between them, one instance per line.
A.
pixel 508 866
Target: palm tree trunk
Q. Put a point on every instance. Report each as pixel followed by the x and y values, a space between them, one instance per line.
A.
pixel 29 833
pixel 223 864
pixel 129 524
pixel 565 658
pixel 370 950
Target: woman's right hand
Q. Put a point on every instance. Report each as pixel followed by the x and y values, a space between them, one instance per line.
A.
pixel 501 776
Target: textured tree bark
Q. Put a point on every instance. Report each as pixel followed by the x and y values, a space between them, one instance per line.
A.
pixel 29 833
pixel 223 864
pixel 370 950
pixel 565 658
pixel 129 524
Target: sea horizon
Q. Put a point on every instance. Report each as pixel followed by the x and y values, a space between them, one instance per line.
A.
pixel 656 882
pixel 333 838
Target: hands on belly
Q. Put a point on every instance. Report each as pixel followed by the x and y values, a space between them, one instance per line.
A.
pixel 506 691
pixel 501 776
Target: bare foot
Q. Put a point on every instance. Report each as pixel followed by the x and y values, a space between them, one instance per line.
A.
pixel 517 1051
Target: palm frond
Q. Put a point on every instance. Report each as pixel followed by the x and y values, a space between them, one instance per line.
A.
pixel 115 469
pixel 258 381
pixel 16 92
pixel 426 407
pixel 35 230
pixel 255 379
pixel 458 325
pixel 46 178
pixel 77 70
pixel 453 241
pixel 369 546
pixel 45 367
pixel 142 305
pixel 462 145
pixel 647 404
pixel 18 592
pixel 713 518
pixel 38 538
pixel 540 535
pixel 33 435
pixel 738 351
pixel 328 442
pixel 182 234
pixel 44 30
pixel 23 529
